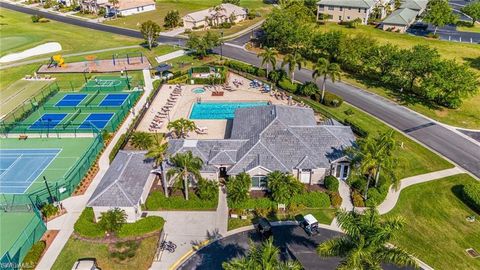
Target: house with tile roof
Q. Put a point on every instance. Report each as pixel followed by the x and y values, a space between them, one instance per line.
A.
pixel 346 10
pixel 273 138
pixel 123 8
pixel 125 185
pixel 399 20
pixel 418 5
pixel 214 16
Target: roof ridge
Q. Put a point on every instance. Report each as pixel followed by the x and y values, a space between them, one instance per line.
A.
pixel 124 193
pixel 281 163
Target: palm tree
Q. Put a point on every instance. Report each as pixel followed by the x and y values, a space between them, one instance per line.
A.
pixel 324 68
pixel 283 186
pixel 365 243
pixel 113 220
pixel 265 257
pixel 185 166
pixel 268 57
pixel 157 152
pixel 293 60
pixel 373 154
pixel 181 127
pixel 142 140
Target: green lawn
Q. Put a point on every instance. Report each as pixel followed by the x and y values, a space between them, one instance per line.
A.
pixel 19 33
pixel 77 249
pixel 17 93
pixel 436 230
pixel 465 116
pixel 184 7
pixel 474 28
pixel 157 201
pixel 413 159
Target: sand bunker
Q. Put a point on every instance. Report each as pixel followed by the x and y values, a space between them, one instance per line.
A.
pixel 48 47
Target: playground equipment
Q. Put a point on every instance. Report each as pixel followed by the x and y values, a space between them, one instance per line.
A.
pixel 132 58
pixel 57 61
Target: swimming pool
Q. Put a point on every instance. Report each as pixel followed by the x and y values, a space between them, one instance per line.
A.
pixel 198 90
pixel 220 110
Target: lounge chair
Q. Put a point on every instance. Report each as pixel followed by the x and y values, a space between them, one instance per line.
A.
pixel 198 131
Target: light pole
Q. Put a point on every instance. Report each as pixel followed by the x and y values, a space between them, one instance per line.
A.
pixel 48 189
pixel 126 75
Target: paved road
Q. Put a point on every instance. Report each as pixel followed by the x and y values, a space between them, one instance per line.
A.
pixel 450 144
pixel 301 246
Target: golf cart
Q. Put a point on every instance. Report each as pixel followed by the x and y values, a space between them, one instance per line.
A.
pixel 264 228
pixel 310 225
pixel 86 264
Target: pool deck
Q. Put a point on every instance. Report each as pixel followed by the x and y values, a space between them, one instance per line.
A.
pixel 183 106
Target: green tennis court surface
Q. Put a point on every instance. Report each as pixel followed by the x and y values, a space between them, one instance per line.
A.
pixel 13 225
pixel 71 150
pixel 107 83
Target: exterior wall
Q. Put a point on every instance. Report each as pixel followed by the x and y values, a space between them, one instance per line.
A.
pixel 395 28
pixel 257 171
pixel 136 10
pixel 318 176
pixel 209 175
pixel 344 14
pixel 190 24
pixel 133 213
pixel 147 187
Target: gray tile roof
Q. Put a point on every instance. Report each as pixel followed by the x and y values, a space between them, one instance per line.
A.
pixel 402 16
pixel 274 137
pixel 123 183
pixel 348 3
pixel 414 4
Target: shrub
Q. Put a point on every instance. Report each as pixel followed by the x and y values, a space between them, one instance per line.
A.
pixel 120 143
pixel 247 68
pixel 357 199
pixel 207 190
pixel 471 192
pixel 283 186
pixel 331 183
pixel 374 197
pixel 113 220
pixel 141 227
pixel 332 100
pixel 356 128
pixel 287 85
pixel 35 18
pixel 124 250
pixel 313 199
pixel 336 199
pixel 86 226
pixel 238 188
pixel 49 210
pixel 157 201
pixel 257 203
pixel 34 254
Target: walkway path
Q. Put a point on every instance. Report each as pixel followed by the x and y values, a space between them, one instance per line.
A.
pixel 189 228
pixel 76 204
pixel 169 56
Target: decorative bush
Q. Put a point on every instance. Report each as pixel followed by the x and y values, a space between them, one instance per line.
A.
pixel 313 199
pixel 238 189
pixel 357 199
pixel 331 183
pixel 374 197
pixel 157 201
pixel 34 254
pixel 49 210
pixel 35 18
pixel 247 68
pixel 336 199
pixel 471 192
pixel 287 85
pixel 141 227
pixel 120 143
pixel 207 190
pixel 332 100
pixel 125 250
pixel 258 203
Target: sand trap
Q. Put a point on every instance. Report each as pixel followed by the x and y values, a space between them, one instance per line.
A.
pixel 48 47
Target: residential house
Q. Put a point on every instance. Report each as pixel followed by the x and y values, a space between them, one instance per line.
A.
pixel 418 5
pixel 273 138
pixel 93 6
pixel 346 10
pixel 125 185
pixel 400 20
pixel 214 16
pixel 123 8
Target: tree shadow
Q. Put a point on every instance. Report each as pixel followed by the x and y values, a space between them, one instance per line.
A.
pixel 457 190
pixel 473 62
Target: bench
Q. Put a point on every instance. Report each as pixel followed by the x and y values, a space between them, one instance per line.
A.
pixel 23 137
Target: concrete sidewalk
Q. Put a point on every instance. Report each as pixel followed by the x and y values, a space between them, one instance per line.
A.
pixel 76 204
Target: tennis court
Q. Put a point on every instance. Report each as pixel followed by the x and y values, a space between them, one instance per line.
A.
pixel 71 100
pixel 20 167
pixel 48 121
pixel 114 100
pixel 99 120
pixel 107 83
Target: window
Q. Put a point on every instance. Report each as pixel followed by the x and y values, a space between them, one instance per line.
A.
pixel 364 10
pixel 348 17
pixel 349 8
pixel 138 9
pixel 341 8
pixel 259 181
pixel 359 10
pixel 331 8
pixel 339 18
pixel 321 7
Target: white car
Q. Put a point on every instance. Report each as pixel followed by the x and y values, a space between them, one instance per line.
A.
pixel 86 264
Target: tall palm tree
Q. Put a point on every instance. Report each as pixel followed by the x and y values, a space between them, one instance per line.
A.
pixel 142 140
pixel 293 60
pixel 185 166
pixel 365 243
pixel 264 257
pixel 268 58
pixel 373 154
pixel 324 68
pixel 181 127
pixel 157 152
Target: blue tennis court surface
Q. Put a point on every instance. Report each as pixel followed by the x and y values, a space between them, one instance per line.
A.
pixel 114 100
pixel 20 167
pixel 71 100
pixel 99 120
pixel 48 120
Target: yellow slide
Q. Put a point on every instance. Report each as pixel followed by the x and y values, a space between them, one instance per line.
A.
pixel 59 60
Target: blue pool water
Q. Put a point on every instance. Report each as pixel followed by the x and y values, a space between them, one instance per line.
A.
pixel 199 90
pixel 220 110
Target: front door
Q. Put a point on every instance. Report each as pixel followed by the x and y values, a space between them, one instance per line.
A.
pixel 223 172
pixel 342 170
pixel 305 177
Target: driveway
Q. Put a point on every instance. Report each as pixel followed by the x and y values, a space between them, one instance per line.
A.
pixel 294 238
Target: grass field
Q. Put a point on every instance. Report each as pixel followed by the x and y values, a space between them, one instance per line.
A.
pixel 72 150
pixel 77 249
pixel 17 93
pixel 184 7
pixel 19 33
pixel 475 28
pixel 467 115
pixel 436 230
pixel 413 158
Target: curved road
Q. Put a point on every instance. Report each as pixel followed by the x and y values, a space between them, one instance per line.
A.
pixel 448 143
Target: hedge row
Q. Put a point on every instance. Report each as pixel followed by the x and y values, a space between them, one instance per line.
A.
pixel 243 67
pixel 116 148
pixel 472 194
pixel 34 254
pixel 141 227
pixel 157 201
